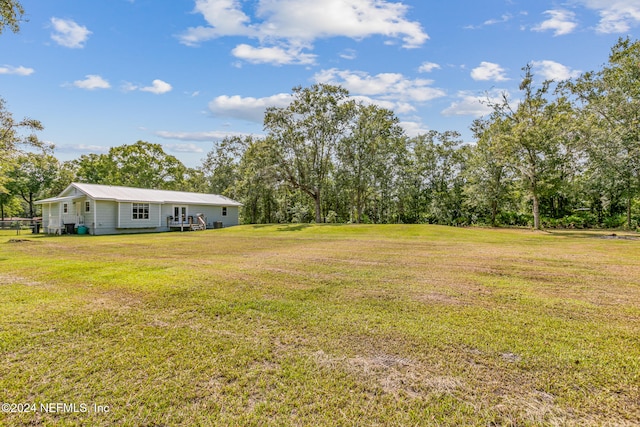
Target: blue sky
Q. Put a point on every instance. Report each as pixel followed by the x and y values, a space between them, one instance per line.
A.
pixel 185 73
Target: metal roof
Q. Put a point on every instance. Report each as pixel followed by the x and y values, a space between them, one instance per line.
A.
pixel 130 194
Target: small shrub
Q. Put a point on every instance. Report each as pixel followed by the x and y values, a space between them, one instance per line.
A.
pixel 616 221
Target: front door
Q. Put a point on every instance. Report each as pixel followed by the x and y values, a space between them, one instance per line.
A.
pixel 180 214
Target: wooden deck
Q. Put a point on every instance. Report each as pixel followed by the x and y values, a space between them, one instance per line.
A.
pixel 201 224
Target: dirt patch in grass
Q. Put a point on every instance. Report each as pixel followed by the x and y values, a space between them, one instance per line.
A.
pixel 438 298
pixel 114 300
pixel 11 279
pixel 20 241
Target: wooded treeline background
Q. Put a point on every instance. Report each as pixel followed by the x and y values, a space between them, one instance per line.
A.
pixel 564 154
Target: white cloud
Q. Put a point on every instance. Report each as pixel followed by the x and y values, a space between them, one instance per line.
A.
pixel 428 67
pixel 183 148
pixel 19 71
pixel 504 18
pixel 561 22
pixel 272 55
pixel 387 90
pixel 387 86
pixel 489 71
pixel 349 54
pixel 158 87
pixel 413 128
pixel 616 16
pixel 312 19
pixel 296 23
pixel 69 34
pixel 197 136
pixel 306 20
pixel 551 70
pixel 92 82
pixel 469 104
pixel 251 109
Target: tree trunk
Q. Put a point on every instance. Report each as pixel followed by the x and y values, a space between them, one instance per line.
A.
pixel 536 212
pixel 629 213
pixel 316 199
pixel 31 213
pixel 358 206
pixel 494 212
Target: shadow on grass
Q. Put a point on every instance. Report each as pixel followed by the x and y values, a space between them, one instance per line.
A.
pixel 282 227
pixel 600 234
pixel 293 227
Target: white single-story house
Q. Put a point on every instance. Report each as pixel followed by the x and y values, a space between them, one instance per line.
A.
pixel 105 209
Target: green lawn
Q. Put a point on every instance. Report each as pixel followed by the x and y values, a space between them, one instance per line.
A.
pixel 321 325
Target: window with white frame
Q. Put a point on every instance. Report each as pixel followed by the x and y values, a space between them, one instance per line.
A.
pixel 65 208
pixel 87 206
pixel 140 211
pixel 224 211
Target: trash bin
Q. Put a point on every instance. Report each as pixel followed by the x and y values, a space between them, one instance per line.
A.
pixel 69 228
pixel 36 228
pixel 82 229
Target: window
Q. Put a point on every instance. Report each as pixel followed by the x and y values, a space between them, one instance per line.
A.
pixel 224 211
pixel 140 211
pixel 87 206
pixel 65 208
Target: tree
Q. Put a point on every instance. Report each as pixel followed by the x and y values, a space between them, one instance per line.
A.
pixel 489 180
pixel 439 161
pixel 220 167
pixel 9 204
pixel 12 135
pixel 370 144
pixel 11 13
pixel 31 177
pixel 305 135
pixel 143 165
pixel 610 100
pixel 257 185
pixel 531 136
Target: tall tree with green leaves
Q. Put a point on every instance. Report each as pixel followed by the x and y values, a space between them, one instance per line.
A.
pixel 610 101
pixel 31 177
pixel 9 204
pixel 369 145
pixel 220 166
pixel 489 180
pixel 305 135
pixel 257 183
pixel 532 136
pixel 439 161
pixel 143 165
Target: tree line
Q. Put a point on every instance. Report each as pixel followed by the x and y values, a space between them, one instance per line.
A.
pixel 563 154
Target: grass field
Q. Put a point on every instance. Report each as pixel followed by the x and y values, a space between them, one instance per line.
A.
pixel 321 325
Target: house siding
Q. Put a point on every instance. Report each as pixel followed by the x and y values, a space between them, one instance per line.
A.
pixel 125 216
pixel 105 216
